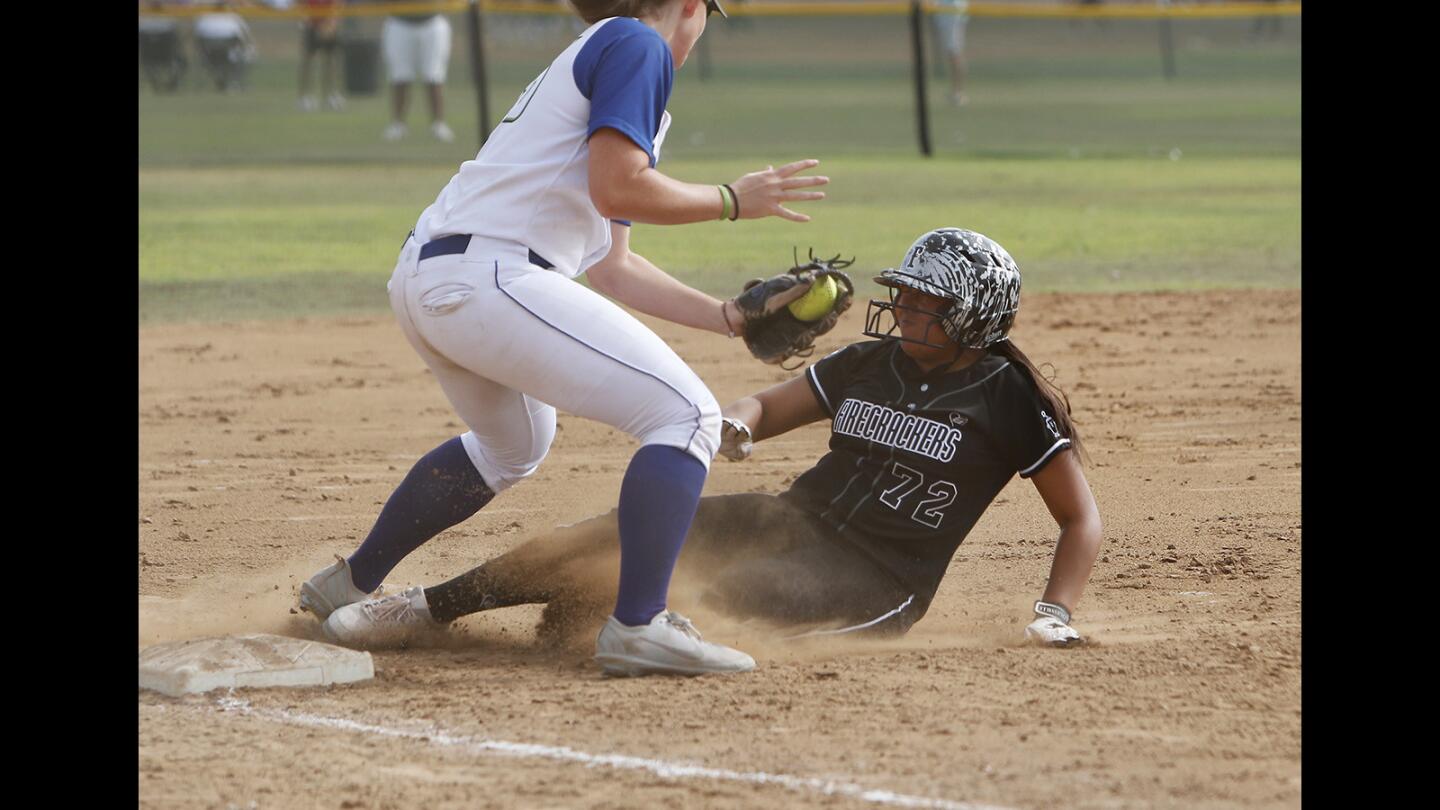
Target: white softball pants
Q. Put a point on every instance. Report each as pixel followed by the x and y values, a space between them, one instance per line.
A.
pixel 416 51
pixel 509 342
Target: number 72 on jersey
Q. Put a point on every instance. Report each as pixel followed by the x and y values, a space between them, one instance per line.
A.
pixel 928 511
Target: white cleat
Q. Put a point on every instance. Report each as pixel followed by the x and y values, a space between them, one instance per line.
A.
pixel 390 621
pixel 308 104
pixel 395 131
pixel 335 102
pixel 668 645
pixel 442 132
pixel 330 589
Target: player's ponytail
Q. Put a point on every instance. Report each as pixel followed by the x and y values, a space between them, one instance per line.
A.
pixel 1049 391
pixel 593 11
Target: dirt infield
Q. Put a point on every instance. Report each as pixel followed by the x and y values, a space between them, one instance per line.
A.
pixel 266 448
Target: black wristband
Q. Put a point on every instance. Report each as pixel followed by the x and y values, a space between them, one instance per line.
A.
pixel 1053 610
pixel 735 198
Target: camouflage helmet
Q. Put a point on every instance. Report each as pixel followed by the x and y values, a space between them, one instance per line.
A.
pixel 964 267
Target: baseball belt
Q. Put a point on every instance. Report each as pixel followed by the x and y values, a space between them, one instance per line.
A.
pixel 460 242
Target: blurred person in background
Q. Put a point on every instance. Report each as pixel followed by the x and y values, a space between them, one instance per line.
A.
pixel 950 29
pixel 320 33
pixel 416 47
pixel 161 55
pixel 226 47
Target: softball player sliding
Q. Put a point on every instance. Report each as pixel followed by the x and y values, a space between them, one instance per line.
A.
pixel 928 424
pixel 484 291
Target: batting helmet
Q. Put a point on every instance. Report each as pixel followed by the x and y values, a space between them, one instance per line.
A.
pixel 966 268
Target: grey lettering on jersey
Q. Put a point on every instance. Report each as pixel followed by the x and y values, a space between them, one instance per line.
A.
pixel 871 450
pixel 860 461
pixel 903 431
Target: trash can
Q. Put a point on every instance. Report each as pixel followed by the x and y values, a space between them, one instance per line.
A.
pixel 362 66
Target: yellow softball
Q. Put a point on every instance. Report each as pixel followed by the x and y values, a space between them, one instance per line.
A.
pixel 815 304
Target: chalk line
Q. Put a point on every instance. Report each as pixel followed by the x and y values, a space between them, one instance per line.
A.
pixel 659 767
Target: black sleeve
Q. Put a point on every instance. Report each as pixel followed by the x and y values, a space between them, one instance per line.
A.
pixel 1023 424
pixel 829 375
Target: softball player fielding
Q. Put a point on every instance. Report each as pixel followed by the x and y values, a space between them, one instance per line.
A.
pixel 928 423
pixel 484 292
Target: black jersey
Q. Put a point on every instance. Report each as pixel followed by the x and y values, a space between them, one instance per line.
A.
pixel 915 460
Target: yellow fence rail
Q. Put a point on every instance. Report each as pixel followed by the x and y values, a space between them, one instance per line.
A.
pixel 1140 11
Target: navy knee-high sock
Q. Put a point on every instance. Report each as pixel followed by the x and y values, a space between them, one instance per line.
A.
pixel 657 503
pixel 442 489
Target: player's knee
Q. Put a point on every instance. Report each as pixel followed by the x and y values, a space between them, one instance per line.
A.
pixel 511 473
pixel 707 435
pixel 505 465
pixel 690 423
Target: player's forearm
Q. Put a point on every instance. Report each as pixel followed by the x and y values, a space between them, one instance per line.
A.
pixel 778 409
pixel 640 285
pixel 747 410
pixel 650 197
pixel 1075 554
pixel 768 424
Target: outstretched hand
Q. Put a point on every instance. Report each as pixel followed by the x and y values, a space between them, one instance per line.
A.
pixel 764 193
pixel 736 442
pixel 1047 631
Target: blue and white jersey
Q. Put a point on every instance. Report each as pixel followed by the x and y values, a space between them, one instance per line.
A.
pixel 530 183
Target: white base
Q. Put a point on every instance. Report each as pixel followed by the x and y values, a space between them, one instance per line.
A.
pixel 252 660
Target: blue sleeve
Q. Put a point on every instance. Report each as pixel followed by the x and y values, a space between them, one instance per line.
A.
pixel 626 71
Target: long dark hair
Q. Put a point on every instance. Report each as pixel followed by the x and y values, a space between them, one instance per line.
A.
pixel 1049 391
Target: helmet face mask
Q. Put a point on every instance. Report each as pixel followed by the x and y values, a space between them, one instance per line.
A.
pixel 971 271
pixel 876 313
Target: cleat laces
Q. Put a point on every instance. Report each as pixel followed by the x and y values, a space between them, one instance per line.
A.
pixel 396 609
pixel 682 624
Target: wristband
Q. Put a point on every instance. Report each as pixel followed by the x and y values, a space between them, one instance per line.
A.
pixel 726 316
pixel 1053 610
pixel 724 203
pixel 735 199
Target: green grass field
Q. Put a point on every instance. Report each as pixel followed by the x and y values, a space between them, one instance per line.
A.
pixel 1097 173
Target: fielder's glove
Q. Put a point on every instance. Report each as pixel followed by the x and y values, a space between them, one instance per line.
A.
pixel 772 334
pixel 1051 627
pixel 735 440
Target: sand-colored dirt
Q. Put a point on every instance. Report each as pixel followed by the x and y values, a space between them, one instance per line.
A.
pixel 266 448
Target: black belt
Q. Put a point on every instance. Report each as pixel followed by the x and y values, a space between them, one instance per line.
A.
pixel 459 243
